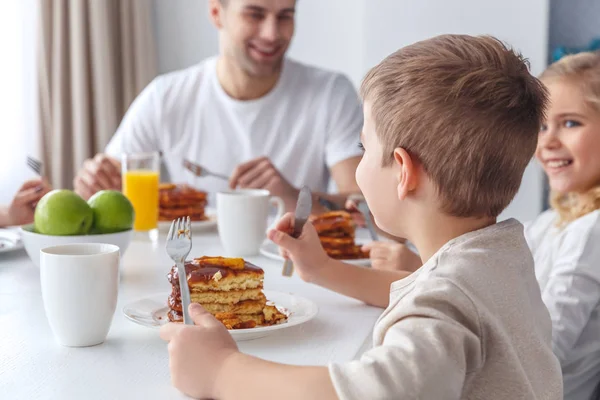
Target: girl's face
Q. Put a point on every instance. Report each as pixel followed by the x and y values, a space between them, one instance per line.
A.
pixel 569 141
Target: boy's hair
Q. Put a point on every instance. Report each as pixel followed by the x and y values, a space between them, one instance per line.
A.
pixel 583 70
pixel 467 109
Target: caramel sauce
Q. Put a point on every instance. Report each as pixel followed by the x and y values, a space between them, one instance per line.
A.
pixel 204 273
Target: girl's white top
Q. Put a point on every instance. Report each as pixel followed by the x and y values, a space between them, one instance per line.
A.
pixel 567 265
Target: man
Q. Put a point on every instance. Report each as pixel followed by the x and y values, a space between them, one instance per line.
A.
pixel 250 114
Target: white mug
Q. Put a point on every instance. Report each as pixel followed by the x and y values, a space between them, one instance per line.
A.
pixel 79 287
pixel 242 216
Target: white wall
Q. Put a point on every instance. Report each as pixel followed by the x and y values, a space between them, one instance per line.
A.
pixel 353 35
pixel 18 97
pixel 330 34
pixel 184 34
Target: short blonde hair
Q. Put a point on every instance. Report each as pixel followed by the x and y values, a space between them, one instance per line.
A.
pixel 467 109
pixel 582 69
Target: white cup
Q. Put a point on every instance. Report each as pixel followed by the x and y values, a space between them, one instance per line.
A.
pixel 79 287
pixel 242 216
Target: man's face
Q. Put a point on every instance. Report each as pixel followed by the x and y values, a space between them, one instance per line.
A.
pixel 255 33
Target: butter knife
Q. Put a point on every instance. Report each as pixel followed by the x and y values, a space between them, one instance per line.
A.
pixel 303 208
pixel 364 209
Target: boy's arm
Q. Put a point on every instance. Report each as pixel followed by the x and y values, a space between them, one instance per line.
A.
pixel 313 265
pixel 365 284
pixel 247 377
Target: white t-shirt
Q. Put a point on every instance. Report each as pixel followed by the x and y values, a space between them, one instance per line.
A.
pixel 567 265
pixel 310 121
pixel 469 324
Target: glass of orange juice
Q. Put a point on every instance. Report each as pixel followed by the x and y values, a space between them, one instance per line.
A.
pixel 141 173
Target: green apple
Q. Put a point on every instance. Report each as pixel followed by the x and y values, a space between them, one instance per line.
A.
pixel 113 212
pixel 62 213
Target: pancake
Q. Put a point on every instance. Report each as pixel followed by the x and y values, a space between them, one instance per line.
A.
pixel 180 200
pixel 336 231
pixel 228 288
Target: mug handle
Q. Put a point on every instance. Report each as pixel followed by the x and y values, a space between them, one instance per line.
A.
pixel 277 201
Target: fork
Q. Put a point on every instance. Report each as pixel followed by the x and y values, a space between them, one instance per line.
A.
pixel 35 165
pixel 201 171
pixel 179 244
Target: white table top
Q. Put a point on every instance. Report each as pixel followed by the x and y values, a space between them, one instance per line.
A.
pixel 133 362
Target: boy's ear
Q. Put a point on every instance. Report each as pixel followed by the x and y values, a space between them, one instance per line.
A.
pixel 215 11
pixel 407 172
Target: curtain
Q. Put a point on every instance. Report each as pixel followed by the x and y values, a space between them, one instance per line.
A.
pixel 94 57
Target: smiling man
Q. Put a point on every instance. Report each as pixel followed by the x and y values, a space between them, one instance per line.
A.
pixel 250 113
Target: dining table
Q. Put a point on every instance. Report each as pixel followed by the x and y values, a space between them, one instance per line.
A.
pixel 133 362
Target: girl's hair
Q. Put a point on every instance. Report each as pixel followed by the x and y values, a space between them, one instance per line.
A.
pixel 581 69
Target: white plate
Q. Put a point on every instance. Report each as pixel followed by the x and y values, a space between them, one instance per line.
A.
pixel 9 241
pixel 196 225
pixel 152 311
pixel 271 250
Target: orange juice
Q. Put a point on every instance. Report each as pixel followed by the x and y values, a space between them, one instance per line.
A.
pixel 141 188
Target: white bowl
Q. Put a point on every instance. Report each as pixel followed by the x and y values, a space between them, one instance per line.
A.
pixel 34 242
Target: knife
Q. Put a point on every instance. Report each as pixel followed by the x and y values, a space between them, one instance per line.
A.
pixel 303 208
pixel 364 209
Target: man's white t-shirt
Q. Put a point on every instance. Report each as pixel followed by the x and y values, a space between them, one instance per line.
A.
pixel 310 121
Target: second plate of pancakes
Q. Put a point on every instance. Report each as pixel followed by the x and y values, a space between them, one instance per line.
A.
pixel 209 223
pixel 271 250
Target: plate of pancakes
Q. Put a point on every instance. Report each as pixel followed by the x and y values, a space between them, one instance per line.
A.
pixel 337 233
pixel 231 289
pixel 271 250
pixel 180 201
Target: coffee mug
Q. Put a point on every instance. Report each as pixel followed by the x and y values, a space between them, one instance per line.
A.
pixel 242 219
pixel 79 289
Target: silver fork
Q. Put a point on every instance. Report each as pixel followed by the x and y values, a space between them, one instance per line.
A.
pixel 35 165
pixel 201 171
pixel 179 244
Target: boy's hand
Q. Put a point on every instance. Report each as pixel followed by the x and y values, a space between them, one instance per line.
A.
pixel 352 207
pixel 22 208
pixel 306 251
pixel 392 256
pixel 197 352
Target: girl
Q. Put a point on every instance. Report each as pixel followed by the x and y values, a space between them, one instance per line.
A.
pixel 565 240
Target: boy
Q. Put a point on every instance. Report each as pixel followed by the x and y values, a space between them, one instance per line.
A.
pixel 450 125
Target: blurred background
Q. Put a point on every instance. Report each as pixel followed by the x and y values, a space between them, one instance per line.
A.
pixel 64 41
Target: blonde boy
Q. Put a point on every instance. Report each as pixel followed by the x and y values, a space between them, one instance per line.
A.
pixel 450 124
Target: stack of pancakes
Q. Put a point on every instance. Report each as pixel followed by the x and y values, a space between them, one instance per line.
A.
pixel 336 230
pixel 228 288
pixel 179 201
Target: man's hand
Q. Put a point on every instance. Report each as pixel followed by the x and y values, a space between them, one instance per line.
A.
pixel 99 173
pixel 197 352
pixel 260 173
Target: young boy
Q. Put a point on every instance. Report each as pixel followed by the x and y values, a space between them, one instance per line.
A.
pixel 450 124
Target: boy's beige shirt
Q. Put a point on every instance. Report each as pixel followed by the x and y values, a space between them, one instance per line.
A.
pixel 469 324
